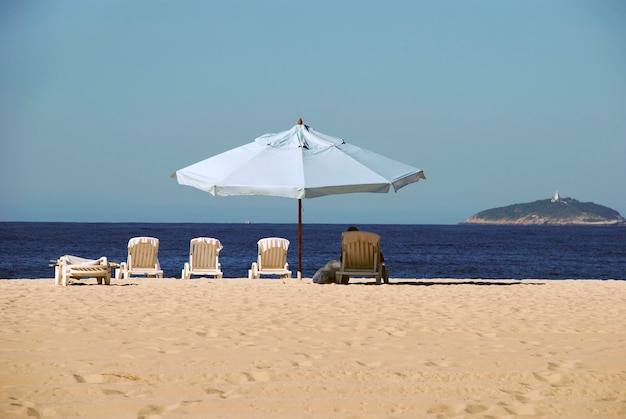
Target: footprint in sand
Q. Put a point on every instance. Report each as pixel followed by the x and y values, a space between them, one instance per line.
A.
pixel 375 364
pixel 438 409
pixel 149 411
pixel 443 364
pixel 555 376
pixel 305 363
pixel 28 408
pixel 237 378
pixel 566 365
pixel 260 376
pixel 214 392
pixel 210 333
pixel 521 410
pixel 475 408
pixel 396 333
pixel 552 379
pixel 447 410
pixel 94 378
pixel 31 411
pixel 112 392
pixel 153 412
pixel 531 396
pixel 89 378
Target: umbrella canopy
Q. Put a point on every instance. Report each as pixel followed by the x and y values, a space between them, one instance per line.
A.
pixel 298 163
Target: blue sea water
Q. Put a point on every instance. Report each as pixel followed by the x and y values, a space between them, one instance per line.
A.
pixel 411 251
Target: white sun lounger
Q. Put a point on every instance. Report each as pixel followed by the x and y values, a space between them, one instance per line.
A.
pixel 360 256
pixel 142 259
pixel 69 266
pixel 271 259
pixel 203 258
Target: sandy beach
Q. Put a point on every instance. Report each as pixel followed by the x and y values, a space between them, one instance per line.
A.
pixel 239 348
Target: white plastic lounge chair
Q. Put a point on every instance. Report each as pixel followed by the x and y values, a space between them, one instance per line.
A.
pixel 69 266
pixel 203 258
pixel 272 258
pixel 142 259
pixel 360 256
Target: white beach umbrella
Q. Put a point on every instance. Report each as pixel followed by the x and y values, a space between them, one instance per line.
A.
pixel 298 163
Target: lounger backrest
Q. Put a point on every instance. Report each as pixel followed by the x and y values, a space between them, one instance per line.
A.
pixel 272 253
pixel 204 253
pixel 360 250
pixel 143 252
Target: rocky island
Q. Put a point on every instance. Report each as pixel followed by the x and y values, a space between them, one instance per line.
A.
pixel 555 211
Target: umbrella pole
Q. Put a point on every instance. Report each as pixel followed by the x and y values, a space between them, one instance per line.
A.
pixel 299 238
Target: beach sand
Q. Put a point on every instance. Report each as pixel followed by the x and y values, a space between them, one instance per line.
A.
pixel 239 348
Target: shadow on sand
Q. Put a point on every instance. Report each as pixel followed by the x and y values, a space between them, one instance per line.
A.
pixel 72 283
pixel 459 282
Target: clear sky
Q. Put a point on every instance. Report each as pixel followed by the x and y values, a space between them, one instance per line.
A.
pixel 499 102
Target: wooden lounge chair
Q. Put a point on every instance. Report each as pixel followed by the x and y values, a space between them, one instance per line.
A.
pixel 272 258
pixel 360 256
pixel 69 266
pixel 142 259
pixel 203 258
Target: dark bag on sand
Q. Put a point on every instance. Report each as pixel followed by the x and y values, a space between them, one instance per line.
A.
pixel 326 274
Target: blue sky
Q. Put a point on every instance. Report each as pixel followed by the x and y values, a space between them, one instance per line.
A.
pixel 499 102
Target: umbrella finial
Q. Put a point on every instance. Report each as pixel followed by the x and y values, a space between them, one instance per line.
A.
pixel 299 121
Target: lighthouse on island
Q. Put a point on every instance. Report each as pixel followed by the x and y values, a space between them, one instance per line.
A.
pixel 555 198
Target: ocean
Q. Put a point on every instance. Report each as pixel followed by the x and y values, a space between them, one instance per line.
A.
pixel 411 251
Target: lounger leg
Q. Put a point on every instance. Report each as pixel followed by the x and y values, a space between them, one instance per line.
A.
pixel 57 275
pixel 385 274
pixel 342 279
pixel 252 273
